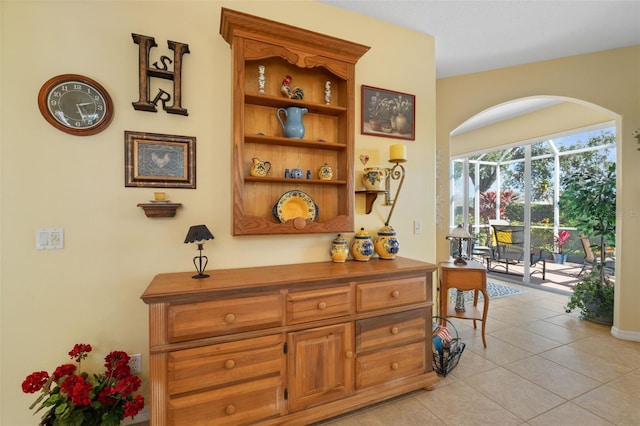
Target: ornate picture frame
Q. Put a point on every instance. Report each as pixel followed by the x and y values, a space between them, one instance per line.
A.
pixel 388 113
pixel 159 161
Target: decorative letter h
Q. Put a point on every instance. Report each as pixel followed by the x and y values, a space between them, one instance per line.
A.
pixel 145 73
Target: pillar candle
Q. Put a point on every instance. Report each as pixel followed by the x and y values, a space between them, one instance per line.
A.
pixel 398 153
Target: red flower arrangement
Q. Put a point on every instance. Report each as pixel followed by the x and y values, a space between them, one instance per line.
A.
pixel 559 240
pixel 77 400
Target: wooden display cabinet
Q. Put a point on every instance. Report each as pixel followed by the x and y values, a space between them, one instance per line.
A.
pixel 287 344
pixel 310 59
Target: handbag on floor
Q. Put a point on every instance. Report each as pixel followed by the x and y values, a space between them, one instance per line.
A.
pixel 446 348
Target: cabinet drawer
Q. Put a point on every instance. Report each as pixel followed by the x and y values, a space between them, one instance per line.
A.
pixel 318 304
pixel 212 366
pixel 390 330
pixel 198 320
pixel 384 366
pixel 233 405
pixel 391 293
pixel 464 279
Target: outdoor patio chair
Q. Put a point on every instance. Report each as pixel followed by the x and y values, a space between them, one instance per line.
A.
pixel 593 258
pixel 508 249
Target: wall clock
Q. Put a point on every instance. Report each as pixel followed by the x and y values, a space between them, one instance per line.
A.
pixel 75 104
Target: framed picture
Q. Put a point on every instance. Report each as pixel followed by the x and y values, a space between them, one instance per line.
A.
pixel 159 161
pixel 388 113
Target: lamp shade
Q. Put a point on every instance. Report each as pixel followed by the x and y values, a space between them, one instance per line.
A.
pixel 198 233
pixel 459 232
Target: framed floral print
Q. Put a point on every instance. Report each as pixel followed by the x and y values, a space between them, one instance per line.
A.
pixel 388 113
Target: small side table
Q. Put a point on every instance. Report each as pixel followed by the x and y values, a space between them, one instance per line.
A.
pixel 472 276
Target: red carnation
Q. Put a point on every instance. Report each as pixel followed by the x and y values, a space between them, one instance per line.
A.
pixel 117 364
pixel 106 396
pixel 63 370
pixel 128 385
pixel 131 408
pixel 77 390
pixel 80 351
pixel 35 381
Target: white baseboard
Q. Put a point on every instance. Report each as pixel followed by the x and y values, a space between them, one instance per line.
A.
pixel 633 336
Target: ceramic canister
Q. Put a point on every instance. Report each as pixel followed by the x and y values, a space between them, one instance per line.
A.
pixel 386 244
pixel 339 250
pixel 362 246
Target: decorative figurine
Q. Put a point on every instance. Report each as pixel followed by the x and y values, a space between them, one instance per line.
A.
pixel 287 174
pixel 288 92
pixel 325 172
pixel 327 92
pixel 362 247
pixel 261 79
pixel 308 174
pixel 339 250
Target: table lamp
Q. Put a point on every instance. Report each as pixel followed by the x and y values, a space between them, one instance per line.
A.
pixel 199 234
pixel 459 233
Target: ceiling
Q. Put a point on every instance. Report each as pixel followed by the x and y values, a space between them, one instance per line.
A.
pixel 481 35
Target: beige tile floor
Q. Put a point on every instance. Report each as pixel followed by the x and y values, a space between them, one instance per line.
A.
pixel 541 367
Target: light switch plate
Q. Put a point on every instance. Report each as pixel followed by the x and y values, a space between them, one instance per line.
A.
pixel 49 238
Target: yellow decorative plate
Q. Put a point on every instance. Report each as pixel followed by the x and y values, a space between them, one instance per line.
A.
pixel 293 204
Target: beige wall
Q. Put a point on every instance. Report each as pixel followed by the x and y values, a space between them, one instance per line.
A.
pixel 89 291
pixel 607 81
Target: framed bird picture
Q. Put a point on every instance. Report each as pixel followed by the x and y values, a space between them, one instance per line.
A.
pixel 159 161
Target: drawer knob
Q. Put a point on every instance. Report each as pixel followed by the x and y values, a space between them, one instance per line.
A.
pixel 229 364
pixel 394 330
pixel 322 305
pixel 230 409
pixel 394 366
pixel 348 354
pixel 395 294
pixel 229 318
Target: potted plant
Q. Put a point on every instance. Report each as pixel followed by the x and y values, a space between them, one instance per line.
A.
pixel 558 242
pixel 70 397
pixel 379 110
pixel 590 200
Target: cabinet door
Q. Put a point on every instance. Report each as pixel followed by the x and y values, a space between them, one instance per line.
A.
pixel 320 365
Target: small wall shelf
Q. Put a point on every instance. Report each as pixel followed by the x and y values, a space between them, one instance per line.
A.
pixel 160 209
pixel 371 197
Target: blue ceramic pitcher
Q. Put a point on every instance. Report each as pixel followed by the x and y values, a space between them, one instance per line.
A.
pixel 293 128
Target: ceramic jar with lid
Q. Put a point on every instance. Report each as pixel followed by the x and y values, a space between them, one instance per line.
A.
pixel 325 172
pixel 362 246
pixel 386 244
pixel 339 250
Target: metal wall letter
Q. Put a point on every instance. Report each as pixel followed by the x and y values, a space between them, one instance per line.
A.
pixel 160 71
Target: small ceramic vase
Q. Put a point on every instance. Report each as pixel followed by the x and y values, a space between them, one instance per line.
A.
pixel 374 178
pixel 362 246
pixel 259 168
pixel 386 244
pixel 325 172
pixel 296 173
pixel 339 250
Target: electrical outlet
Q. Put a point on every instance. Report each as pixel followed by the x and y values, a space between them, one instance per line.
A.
pixel 417 227
pixel 135 363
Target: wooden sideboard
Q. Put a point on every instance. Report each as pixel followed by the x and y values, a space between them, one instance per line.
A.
pixel 289 344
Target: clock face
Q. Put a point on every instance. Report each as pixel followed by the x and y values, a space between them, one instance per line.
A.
pixel 75 104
